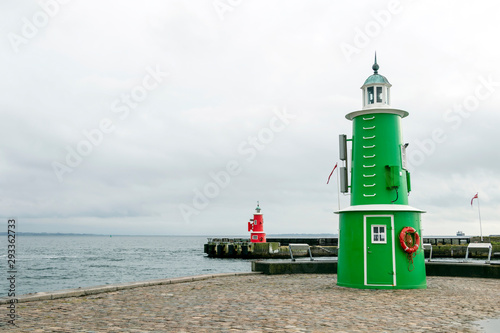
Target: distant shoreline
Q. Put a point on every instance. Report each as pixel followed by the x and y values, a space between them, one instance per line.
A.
pixel 212 236
pixel 94 235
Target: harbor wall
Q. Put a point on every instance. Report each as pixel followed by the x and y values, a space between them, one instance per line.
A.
pixel 442 247
pixel 457 269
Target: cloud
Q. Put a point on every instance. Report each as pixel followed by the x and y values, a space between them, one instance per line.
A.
pixel 227 77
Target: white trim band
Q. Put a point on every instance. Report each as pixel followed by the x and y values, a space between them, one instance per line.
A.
pixel 354 114
pixel 380 208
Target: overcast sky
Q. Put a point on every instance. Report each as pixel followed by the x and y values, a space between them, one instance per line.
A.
pixel 175 117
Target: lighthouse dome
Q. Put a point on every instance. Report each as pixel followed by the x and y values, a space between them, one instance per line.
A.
pixel 376 78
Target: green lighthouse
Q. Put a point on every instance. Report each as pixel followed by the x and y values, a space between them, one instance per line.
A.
pixel 379 242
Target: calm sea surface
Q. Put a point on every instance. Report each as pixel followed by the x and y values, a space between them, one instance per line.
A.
pixel 49 263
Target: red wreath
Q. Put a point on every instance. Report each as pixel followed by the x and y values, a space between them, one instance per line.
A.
pixel 406 240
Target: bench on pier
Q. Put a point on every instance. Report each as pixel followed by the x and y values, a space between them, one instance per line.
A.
pixel 428 246
pixel 479 246
pixel 299 247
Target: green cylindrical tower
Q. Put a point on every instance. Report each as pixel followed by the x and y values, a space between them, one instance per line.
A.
pixel 379 243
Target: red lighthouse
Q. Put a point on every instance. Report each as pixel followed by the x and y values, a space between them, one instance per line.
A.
pixel 256 226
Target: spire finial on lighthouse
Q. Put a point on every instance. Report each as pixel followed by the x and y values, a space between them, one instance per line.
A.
pixel 258 208
pixel 375 66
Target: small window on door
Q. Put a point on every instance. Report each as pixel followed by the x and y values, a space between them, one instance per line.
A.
pixel 379 234
pixel 255 237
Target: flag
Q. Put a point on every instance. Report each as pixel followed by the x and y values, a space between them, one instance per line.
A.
pixel 474 197
pixel 331 173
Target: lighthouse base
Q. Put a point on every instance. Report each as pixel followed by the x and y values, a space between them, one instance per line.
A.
pixel 258 237
pixel 361 286
pixel 370 255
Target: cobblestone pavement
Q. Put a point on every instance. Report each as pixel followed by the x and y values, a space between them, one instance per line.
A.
pixel 263 303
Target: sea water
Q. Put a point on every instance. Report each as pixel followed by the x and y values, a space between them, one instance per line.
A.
pixel 49 263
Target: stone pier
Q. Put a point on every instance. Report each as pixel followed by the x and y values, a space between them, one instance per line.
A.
pixel 285 303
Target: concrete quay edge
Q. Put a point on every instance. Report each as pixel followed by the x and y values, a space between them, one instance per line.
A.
pixel 432 268
pixel 78 292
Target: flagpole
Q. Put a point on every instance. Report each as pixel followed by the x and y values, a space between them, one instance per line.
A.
pixel 479 213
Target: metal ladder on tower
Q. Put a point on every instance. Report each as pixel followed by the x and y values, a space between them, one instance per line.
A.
pixel 368 157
